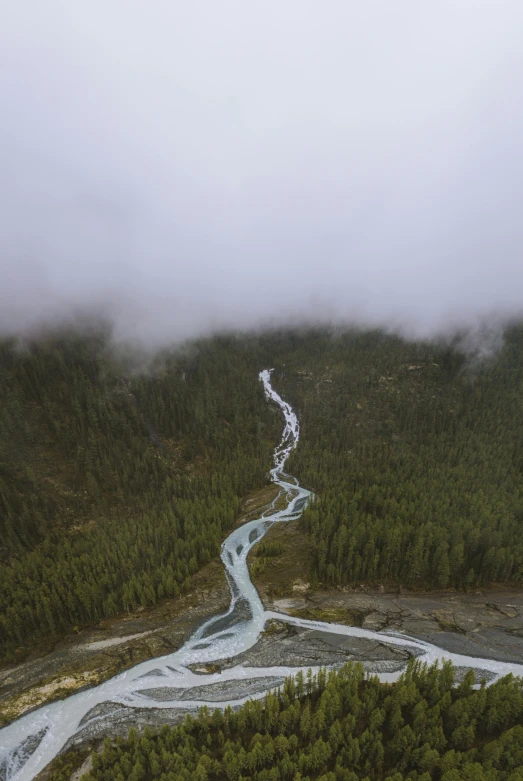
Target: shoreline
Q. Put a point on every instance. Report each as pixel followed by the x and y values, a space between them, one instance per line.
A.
pixel 82 660
pixel 487 623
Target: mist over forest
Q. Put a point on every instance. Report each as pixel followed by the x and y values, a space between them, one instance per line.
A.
pixel 183 170
pixel 261 382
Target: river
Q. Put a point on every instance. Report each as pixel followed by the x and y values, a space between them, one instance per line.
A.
pixel 30 743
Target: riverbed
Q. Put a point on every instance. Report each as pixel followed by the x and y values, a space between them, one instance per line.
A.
pixel 232 656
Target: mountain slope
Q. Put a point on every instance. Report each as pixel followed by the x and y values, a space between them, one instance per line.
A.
pixel 116 486
pixel 416 453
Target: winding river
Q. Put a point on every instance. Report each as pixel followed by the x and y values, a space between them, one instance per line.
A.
pixel 29 744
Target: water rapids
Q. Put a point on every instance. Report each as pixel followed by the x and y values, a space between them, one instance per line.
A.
pixel 30 743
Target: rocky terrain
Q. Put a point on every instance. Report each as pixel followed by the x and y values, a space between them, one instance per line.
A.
pixel 92 656
pixel 482 624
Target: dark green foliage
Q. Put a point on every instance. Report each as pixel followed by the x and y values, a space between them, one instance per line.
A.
pixel 268 550
pixel 264 553
pixel 65 765
pixel 416 454
pixel 339 726
pixel 116 487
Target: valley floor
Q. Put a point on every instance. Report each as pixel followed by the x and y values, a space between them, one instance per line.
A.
pixel 486 624
pixel 94 655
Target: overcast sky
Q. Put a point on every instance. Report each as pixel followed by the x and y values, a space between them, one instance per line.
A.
pixel 195 165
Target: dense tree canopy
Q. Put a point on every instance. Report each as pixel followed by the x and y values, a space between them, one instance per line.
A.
pixel 415 452
pixel 339 726
pixel 119 480
pixel 115 484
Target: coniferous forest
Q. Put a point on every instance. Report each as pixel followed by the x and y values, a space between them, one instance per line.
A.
pixel 416 454
pixel 339 726
pixel 116 486
pixel 120 477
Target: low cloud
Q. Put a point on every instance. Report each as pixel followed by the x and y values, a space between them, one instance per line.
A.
pixel 183 168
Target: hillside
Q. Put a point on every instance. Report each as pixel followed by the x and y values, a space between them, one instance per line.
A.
pixel 416 454
pixel 119 478
pixel 336 727
pixel 118 481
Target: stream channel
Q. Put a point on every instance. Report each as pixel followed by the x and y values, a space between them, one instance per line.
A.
pixel 171 682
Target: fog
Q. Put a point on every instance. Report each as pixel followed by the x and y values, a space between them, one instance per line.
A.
pixel 185 167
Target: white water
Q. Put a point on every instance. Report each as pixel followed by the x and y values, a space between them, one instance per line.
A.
pixel 221 637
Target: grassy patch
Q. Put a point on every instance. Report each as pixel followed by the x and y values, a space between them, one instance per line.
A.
pixel 282 559
pixel 46 691
pixel 274 627
pixel 334 615
pixel 255 503
pixel 62 767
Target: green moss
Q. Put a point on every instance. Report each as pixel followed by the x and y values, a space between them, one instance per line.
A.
pixel 334 615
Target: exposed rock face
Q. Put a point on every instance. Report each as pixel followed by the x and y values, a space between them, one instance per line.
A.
pixel 216 692
pixel 486 625
pixel 300 587
pixel 291 646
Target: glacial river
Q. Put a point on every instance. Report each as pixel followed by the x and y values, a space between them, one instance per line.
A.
pixel 29 744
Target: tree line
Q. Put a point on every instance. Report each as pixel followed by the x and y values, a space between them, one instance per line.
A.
pixel 415 452
pixel 118 482
pixel 120 478
pixel 338 726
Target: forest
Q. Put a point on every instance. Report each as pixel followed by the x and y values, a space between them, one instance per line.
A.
pixel 337 726
pixel 118 483
pixel 415 453
pixel 121 473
